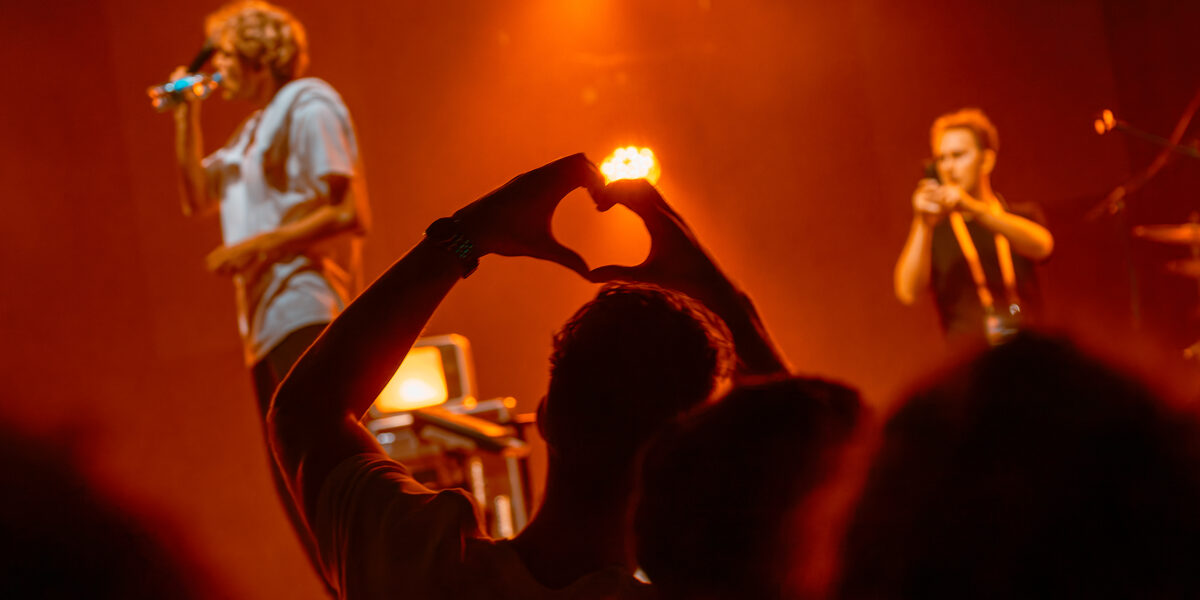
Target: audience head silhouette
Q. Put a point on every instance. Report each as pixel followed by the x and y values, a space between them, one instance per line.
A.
pixel 64 537
pixel 628 362
pixel 721 513
pixel 1032 471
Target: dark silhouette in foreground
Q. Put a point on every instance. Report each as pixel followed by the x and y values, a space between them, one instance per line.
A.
pixel 1033 471
pixel 727 495
pixel 624 366
pixel 64 536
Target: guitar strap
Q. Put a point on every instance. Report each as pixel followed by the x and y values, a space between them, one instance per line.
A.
pixel 971 254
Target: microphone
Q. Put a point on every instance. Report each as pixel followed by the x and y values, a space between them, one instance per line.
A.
pixel 931 171
pixel 201 58
pixel 1107 122
pixel 194 86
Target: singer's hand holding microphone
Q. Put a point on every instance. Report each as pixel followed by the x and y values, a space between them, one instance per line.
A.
pixel 186 85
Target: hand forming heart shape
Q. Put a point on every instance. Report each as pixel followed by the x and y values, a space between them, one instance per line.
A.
pixel 515 220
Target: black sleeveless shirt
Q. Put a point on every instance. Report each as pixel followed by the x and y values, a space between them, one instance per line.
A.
pixel 954 289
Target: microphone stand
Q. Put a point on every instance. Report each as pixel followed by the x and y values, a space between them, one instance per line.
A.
pixel 1114 203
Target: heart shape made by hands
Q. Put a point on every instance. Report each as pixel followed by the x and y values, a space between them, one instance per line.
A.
pixel 614 237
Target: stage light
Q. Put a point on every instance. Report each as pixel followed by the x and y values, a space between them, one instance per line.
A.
pixel 631 162
pixel 419 381
pixel 1105 123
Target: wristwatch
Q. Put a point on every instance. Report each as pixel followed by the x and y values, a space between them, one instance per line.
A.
pixel 446 233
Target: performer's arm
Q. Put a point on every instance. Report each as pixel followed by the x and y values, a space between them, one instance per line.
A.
pixel 1028 238
pixel 911 277
pixel 340 213
pixel 678 261
pixel 189 149
pixel 321 142
pixel 314 420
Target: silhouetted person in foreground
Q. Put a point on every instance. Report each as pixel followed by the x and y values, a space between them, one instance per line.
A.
pixel 623 366
pixel 730 504
pixel 63 536
pixel 1031 472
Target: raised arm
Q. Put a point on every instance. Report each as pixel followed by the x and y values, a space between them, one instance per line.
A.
pixel 911 276
pixel 194 196
pixel 314 421
pixel 678 261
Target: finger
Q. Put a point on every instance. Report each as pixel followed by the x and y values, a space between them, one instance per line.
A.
pixel 929 207
pixel 644 200
pixel 613 273
pixel 213 261
pixel 571 172
pixel 593 179
pixel 565 257
pixel 637 194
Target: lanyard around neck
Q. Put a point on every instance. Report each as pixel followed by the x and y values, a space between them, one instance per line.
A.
pixel 1003 255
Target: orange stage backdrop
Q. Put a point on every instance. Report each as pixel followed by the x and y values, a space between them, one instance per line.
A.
pixel 790 135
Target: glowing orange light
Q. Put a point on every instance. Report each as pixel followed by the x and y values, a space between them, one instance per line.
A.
pixel 631 162
pixel 1105 123
pixel 419 381
pixel 470 403
pixel 510 402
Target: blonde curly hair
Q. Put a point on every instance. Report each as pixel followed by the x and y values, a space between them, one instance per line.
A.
pixel 263 34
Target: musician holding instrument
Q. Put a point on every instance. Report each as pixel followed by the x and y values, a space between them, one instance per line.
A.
pixel 966 244
pixel 288 187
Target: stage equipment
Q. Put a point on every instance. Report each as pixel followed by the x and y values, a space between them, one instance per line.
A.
pixel 1107 121
pixel 429 419
pixel 1186 267
pixel 631 162
pixel 1185 234
pixel 1113 205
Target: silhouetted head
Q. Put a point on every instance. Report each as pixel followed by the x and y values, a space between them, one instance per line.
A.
pixel 627 362
pixel 1033 471
pixel 725 496
pixel 964 144
pixel 63 536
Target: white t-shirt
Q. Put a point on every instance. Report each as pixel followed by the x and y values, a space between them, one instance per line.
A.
pixel 383 535
pixel 269 174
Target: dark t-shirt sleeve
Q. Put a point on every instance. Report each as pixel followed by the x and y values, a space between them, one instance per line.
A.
pixel 382 534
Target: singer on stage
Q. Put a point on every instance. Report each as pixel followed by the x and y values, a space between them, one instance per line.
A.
pixel 966 244
pixel 288 186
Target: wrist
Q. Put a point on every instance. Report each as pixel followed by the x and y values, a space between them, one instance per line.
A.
pixel 452 237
